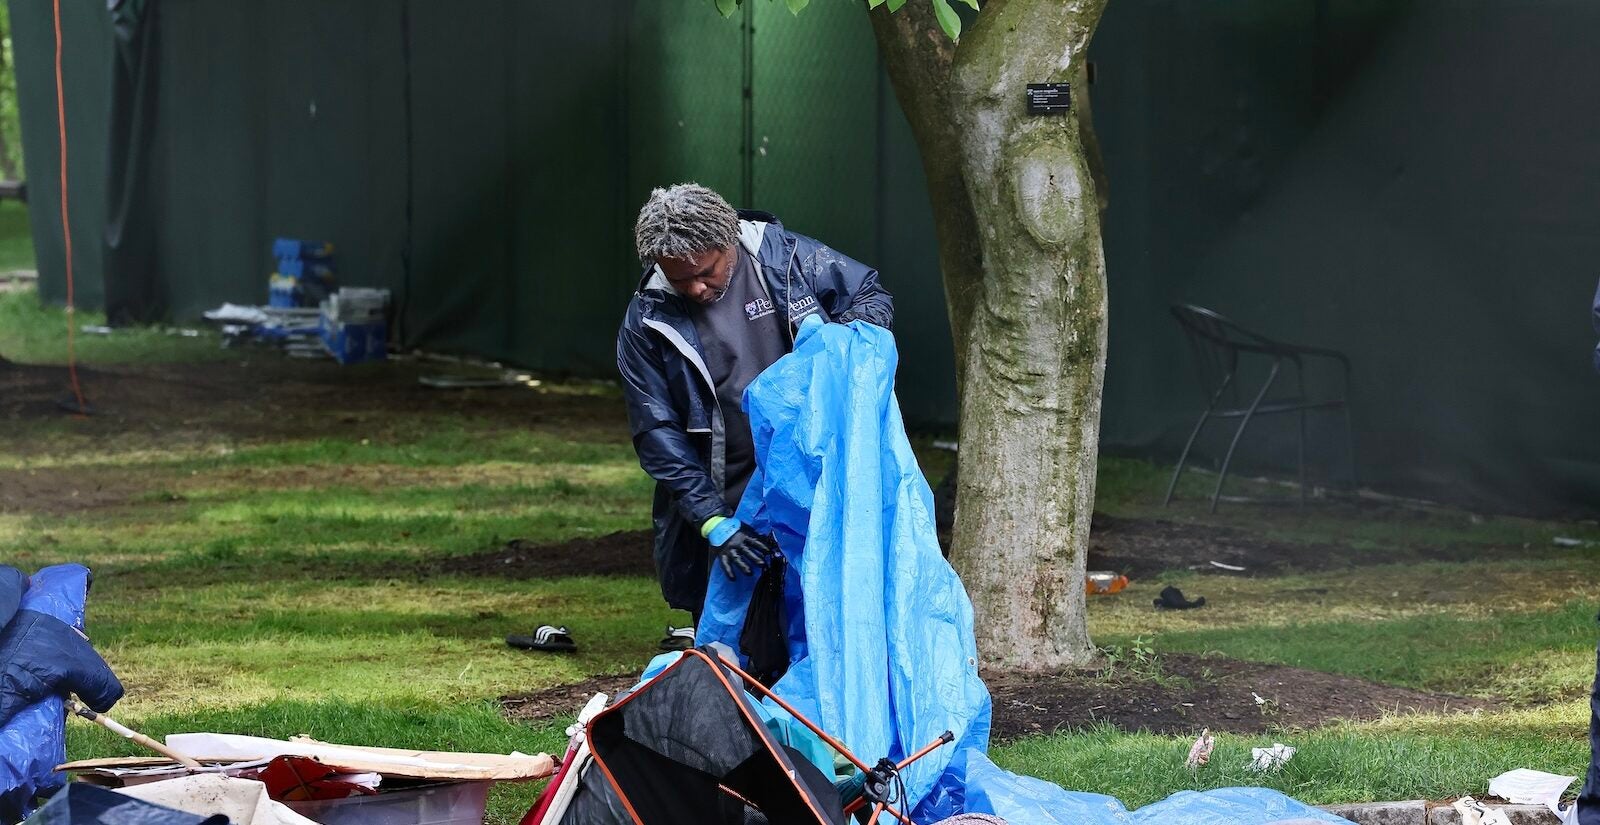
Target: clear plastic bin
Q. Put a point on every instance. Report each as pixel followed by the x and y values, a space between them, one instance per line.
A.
pixel 449 803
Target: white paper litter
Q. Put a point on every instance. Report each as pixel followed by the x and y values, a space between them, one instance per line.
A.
pixel 1270 759
pixel 1221 566
pixel 236 313
pixel 234 746
pixel 1474 812
pixel 1528 787
pixel 365 780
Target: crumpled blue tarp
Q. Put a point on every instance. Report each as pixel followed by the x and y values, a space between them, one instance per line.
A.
pixel 882 642
pixel 885 658
pixel 975 785
pixel 34 741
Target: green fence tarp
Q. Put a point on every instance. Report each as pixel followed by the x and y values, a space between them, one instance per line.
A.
pixel 1410 181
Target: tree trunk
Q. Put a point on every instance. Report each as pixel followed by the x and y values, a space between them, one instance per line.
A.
pixel 1031 335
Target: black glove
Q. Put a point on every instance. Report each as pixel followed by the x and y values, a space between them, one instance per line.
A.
pixel 734 544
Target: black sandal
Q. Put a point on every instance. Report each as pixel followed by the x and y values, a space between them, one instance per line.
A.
pixel 547 638
pixel 677 638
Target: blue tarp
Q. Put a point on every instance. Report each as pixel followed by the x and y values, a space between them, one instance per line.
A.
pixel 975 785
pixel 882 642
pixel 885 658
pixel 34 741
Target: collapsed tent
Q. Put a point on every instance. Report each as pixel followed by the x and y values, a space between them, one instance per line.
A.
pixel 43 655
pixel 879 626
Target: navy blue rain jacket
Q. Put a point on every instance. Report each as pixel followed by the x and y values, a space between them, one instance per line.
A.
pixel 672 406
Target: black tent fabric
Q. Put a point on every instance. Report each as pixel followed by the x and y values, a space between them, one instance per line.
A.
pixel 81 804
pixel 687 748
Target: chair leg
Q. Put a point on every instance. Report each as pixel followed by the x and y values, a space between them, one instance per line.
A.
pixel 1302 454
pixel 1350 446
pixel 1300 373
pixel 1248 414
pixel 1184 456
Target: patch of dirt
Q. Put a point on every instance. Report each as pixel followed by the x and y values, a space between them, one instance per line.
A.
pixel 563 700
pixel 55 492
pixel 263 395
pixel 618 554
pixel 259 396
pixel 1143 548
pixel 1140 548
pixel 1195 692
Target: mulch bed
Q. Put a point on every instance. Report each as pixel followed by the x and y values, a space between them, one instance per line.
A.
pixel 1142 548
pixel 1195 692
pixel 262 395
pixel 617 554
pixel 1192 692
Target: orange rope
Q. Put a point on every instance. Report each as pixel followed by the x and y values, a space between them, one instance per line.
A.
pixel 66 223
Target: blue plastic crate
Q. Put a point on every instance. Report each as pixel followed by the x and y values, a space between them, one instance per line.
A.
pixel 284 248
pixel 356 343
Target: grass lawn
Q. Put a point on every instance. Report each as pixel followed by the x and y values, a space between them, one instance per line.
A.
pixel 272 581
pixel 16 237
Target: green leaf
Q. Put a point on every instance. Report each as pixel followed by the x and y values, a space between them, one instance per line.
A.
pixel 872 4
pixel 947 18
pixel 894 5
pixel 727 7
pixel 972 3
pixel 796 5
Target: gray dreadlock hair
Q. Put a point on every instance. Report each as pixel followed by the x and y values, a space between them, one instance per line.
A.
pixel 683 221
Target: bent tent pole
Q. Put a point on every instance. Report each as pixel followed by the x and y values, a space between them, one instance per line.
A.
pixel 76 707
pixel 881 807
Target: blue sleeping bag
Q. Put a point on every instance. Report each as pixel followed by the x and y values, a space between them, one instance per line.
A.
pixel 43 655
pixel 879 626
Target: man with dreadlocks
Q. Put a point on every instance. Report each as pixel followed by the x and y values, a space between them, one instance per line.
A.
pixel 722 295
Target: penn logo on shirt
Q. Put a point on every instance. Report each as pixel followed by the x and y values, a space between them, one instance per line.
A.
pixel 802 307
pixel 759 308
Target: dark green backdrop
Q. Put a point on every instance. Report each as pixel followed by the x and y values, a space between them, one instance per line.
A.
pixel 1414 182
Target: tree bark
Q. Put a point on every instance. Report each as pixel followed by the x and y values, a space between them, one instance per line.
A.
pixel 1030 324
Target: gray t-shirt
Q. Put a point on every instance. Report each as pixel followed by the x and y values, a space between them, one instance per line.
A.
pixel 740 335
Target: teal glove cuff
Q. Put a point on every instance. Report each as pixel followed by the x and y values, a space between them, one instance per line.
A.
pixel 722 530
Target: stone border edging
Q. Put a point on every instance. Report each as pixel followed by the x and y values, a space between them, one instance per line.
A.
pixel 1422 812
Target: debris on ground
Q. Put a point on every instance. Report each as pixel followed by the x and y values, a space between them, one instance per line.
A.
pixel 1104 581
pixel 1172 598
pixel 1263 760
pixel 1473 812
pixel 1529 787
pixel 1200 751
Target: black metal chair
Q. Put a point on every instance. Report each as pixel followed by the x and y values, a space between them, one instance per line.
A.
pixel 1218 344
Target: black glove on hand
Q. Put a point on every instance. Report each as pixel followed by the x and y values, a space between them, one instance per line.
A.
pixel 734 544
